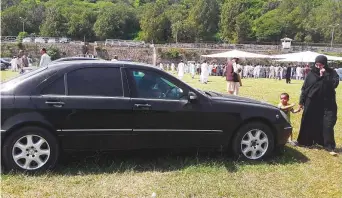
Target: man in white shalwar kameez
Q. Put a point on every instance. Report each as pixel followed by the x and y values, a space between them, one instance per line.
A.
pixel 14 64
pixel 192 70
pixel 45 60
pixel 204 72
pixel 161 66
pixel 210 69
pixel 181 70
pixel 298 73
pixel 276 72
pixel 172 67
pixel 271 73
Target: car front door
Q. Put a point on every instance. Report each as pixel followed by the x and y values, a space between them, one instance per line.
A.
pixel 96 111
pixel 163 115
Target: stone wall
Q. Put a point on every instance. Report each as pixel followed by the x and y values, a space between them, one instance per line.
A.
pixel 124 53
pixel 137 54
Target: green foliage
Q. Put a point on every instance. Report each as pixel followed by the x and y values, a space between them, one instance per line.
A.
pixel 160 21
pixel 20 45
pixel 117 21
pixel 172 53
pixel 21 36
pixel 55 24
pixel 54 53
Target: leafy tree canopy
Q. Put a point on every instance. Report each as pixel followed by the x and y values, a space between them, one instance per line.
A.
pixel 160 21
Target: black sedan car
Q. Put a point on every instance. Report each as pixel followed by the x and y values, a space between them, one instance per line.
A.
pixel 102 105
pixel 5 64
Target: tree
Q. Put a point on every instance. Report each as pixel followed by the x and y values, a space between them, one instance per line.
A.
pixel 205 16
pixel 230 9
pixel 269 27
pixel 177 15
pixel 243 28
pixel 117 21
pixel 81 23
pixel 55 24
pixel 154 23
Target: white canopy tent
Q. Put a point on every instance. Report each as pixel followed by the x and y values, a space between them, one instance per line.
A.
pixel 307 57
pixel 236 54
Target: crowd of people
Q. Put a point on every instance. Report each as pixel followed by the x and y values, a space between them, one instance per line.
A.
pixel 298 72
pixel 21 62
pixel 204 70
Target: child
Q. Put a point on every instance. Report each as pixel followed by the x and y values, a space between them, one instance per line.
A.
pixel 287 108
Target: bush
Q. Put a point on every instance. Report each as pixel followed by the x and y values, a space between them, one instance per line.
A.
pixel 20 45
pixel 173 53
pixel 21 35
pixel 54 53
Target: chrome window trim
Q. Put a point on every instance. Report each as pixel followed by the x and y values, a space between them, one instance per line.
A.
pixel 140 130
pixel 157 99
pixel 88 130
pixel 98 97
pixel 2 130
pixel 176 130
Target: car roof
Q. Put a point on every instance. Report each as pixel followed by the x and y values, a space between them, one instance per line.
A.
pixel 74 59
pixel 99 62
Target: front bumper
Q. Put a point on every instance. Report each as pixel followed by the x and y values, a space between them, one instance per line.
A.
pixel 283 135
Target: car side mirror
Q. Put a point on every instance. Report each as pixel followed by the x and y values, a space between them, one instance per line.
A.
pixel 192 96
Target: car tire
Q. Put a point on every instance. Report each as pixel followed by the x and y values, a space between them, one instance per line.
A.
pixel 253 141
pixel 30 149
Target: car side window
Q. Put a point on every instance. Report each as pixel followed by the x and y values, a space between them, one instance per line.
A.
pixel 55 88
pixel 100 81
pixel 149 84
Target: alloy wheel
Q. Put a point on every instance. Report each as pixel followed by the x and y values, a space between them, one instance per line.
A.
pixel 31 152
pixel 254 144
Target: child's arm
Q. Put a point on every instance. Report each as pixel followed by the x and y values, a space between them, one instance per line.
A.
pixel 287 107
pixel 296 111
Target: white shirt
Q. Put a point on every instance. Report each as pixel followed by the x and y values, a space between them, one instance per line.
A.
pixel 204 69
pixel 44 60
pixel 14 63
pixel 181 69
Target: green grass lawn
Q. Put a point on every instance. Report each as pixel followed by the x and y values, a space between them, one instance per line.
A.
pixel 299 172
pixel 7 74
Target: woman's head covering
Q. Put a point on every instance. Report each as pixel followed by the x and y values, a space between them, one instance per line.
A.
pixel 322 59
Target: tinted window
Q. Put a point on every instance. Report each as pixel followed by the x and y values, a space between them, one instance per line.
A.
pixel 55 88
pixel 153 85
pixel 95 82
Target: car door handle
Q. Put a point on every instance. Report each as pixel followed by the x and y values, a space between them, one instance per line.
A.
pixel 142 106
pixel 55 103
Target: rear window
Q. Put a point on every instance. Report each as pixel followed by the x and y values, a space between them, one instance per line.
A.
pixel 99 81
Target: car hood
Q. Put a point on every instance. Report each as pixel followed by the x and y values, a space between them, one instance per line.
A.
pixel 233 98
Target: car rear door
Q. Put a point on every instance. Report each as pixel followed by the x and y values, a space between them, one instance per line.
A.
pixel 163 116
pixel 94 113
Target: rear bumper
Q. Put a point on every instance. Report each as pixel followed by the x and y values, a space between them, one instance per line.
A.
pixel 284 132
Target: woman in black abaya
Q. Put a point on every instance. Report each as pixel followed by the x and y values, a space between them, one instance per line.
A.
pixel 288 74
pixel 318 99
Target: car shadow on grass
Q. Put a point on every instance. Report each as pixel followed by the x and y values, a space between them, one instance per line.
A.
pixel 86 163
pixel 164 161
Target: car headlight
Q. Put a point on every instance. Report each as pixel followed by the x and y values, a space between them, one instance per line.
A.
pixel 285 116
